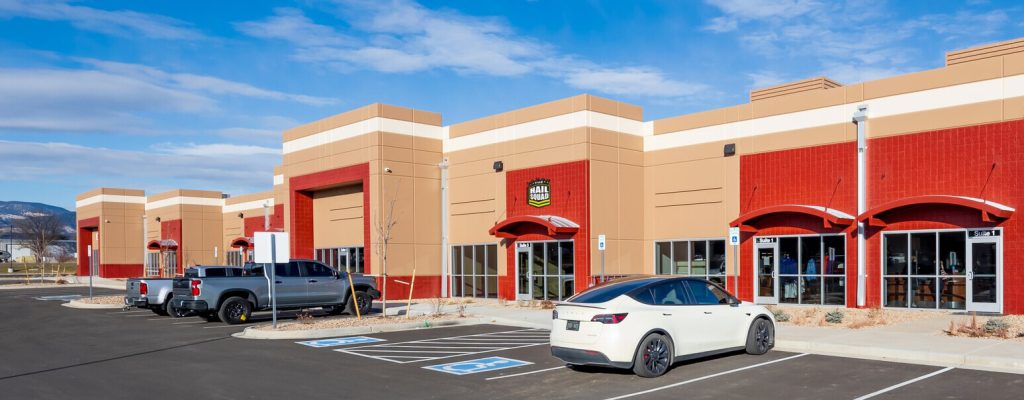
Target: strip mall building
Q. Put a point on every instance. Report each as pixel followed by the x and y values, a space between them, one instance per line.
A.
pixel 929 165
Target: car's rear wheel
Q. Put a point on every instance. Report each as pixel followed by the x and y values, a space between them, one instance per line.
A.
pixel 235 310
pixel 653 357
pixel 761 337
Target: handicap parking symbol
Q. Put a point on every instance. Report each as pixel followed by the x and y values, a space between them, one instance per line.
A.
pixel 340 341
pixel 479 365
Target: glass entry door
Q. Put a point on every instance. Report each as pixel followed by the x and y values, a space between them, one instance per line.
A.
pixel 523 255
pixel 766 268
pixel 984 272
pixel 545 270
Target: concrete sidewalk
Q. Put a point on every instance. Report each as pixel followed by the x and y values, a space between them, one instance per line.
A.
pixel 919 341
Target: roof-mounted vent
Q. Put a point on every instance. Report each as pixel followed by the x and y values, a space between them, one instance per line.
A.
pixel 985 51
pixel 819 83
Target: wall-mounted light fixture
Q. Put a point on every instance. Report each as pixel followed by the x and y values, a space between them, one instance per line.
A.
pixel 241 215
pixel 388 170
pixel 730 149
pixel 157 219
pixel 499 166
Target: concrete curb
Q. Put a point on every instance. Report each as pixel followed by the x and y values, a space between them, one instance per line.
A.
pixel 89 306
pixel 251 333
pixel 936 358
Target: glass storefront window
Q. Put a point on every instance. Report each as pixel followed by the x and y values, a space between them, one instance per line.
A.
pixel 701 258
pixel 474 271
pixel 342 258
pixel 812 269
pixel 925 270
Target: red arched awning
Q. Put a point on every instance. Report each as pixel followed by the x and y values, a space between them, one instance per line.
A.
pixel 165 244
pixel 830 217
pixel 554 225
pixel 245 242
pixel 990 210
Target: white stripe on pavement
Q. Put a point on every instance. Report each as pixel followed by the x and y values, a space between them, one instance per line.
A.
pixel 189 323
pixel 524 373
pixel 899 385
pixel 705 377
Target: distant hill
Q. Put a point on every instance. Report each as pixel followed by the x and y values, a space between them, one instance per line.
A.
pixel 10 210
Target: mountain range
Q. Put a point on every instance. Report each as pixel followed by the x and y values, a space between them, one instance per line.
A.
pixel 12 210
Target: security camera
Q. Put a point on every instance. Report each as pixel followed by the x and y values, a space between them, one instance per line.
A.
pixel 388 170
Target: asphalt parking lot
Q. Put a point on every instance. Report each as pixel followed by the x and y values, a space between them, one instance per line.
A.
pixel 53 352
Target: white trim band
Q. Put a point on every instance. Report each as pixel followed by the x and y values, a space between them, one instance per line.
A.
pixel 578 119
pixel 932 99
pixel 375 124
pixel 110 198
pixel 248 205
pixel 278 180
pixel 185 200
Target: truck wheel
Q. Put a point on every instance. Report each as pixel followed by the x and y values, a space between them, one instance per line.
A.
pixel 364 300
pixel 173 312
pixel 235 310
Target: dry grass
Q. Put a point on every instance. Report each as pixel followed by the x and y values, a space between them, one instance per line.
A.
pixel 347 322
pixel 1004 327
pixel 103 300
pixel 853 318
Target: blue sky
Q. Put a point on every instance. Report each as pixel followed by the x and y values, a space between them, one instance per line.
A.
pixel 158 95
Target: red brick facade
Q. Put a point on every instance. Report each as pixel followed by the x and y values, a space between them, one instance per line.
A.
pixel 570 199
pixel 984 161
pixel 301 202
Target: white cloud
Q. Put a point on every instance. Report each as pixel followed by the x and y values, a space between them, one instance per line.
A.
pixel 405 37
pixel 201 83
pixel 763 79
pixel 216 149
pixel 117 23
pixel 114 97
pixel 84 100
pixel 849 41
pixel 232 168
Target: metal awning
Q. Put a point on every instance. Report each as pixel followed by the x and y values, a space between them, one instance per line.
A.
pixel 830 217
pixel 512 227
pixel 990 210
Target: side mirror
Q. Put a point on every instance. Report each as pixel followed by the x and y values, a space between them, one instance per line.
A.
pixel 734 302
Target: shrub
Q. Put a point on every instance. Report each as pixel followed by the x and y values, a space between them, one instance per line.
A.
pixel 547 305
pixel 780 315
pixel 997 327
pixel 304 317
pixel 834 317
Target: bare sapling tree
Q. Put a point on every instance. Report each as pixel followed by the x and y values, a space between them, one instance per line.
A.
pixel 385 227
pixel 40 232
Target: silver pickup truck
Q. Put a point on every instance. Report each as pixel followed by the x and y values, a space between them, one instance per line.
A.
pixel 299 284
pixel 155 293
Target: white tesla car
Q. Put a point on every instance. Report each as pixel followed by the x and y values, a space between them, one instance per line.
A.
pixel 649 323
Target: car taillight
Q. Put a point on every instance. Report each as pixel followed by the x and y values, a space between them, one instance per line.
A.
pixel 195 287
pixel 609 318
pixel 143 288
pixel 554 314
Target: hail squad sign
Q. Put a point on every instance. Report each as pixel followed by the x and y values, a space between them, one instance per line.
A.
pixel 538 192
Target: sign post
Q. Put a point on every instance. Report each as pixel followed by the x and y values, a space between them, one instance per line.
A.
pixel 271 249
pixel 601 247
pixel 89 251
pixel 734 240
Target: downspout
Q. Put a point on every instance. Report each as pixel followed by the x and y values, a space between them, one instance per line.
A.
pixel 145 252
pixel 860 118
pixel 444 226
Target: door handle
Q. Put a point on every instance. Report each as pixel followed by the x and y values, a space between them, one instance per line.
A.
pixel 666 314
pixel 277 281
pixel 313 281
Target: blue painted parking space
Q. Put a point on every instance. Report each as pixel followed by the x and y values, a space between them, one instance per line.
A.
pixel 340 341
pixel 478 365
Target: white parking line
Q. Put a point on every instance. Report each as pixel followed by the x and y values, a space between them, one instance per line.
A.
pixel 128 312
pixel 899 385
pixel 455 346
pixel 705 377
pixel 189 323
pixel 524 373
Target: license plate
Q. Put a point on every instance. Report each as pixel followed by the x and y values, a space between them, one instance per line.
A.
pixel 572 325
